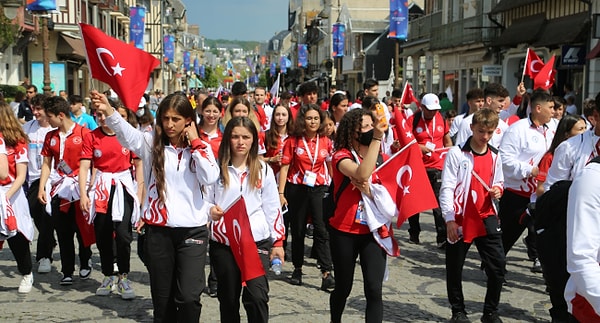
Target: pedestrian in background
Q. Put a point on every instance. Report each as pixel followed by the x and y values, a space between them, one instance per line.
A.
pixel 111 200
pixel 303 181
pixel 17 226
pixel 36 131
pixel 60 167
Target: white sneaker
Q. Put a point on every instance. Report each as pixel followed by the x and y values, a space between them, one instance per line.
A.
pixel 26 283
pixel 45 266
pixel 106 287
pixel 124 289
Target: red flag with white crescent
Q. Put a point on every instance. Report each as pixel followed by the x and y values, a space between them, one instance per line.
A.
pixel 405 178
pixel 533 64
pixel 546 77
pixel 124 67
pixel 241 242
pixel 402 130
pixel 408 95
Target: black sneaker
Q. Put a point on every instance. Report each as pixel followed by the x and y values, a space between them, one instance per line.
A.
pixel 310 231
pixel 212 291
pixel 537 266
pixel 66 280
pixel 491 318
pixel 84 273
pixel 414 239
pixel 442 245
pixel 296 278
pixel 459 317
pixel 327 282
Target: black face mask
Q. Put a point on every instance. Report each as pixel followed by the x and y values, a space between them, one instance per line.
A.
pixel 365 138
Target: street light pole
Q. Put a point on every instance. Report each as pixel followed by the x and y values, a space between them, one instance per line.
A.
pixel 45 54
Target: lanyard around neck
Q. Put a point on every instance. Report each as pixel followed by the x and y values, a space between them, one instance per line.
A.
pixel 310 157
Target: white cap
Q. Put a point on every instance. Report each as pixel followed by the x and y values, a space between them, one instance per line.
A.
pixel 431 101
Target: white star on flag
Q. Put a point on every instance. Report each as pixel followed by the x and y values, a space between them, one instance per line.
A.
pixel 117 69
pixel 406 191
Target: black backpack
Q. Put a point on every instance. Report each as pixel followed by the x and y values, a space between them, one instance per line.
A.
pixel 330 202
pixel 551 207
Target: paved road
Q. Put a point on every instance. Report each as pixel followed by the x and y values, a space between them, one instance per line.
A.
pixel 415 292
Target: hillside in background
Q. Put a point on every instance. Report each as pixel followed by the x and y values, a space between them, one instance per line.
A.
pixel 246 45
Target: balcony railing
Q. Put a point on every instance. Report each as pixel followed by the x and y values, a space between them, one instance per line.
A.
pixel 471 30
pixel 421 28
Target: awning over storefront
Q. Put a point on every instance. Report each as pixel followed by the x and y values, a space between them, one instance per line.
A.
pixel 70 48
pixel 505 5
pixel 564 30
pixel 521 31
pixel 418 50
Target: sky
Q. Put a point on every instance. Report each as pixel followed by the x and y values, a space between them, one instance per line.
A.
pixel 238 19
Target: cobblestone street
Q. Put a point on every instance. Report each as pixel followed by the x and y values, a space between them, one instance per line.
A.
pixel 415 291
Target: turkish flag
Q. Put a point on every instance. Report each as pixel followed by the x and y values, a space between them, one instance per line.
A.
pixel 471 222
pixel 408 95
pixel 545 78
pixel 533 64
pixel 241 242
pixel 88 235
pixel 122 66
pixel 402 130
pixel 405 178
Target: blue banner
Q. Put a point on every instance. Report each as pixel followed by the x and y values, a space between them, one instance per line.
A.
pixel 398 19
pixel 302 55
pixel 137 26
pixel 284 64
pixel 272 69
pixel 196 66
pixel 169 48
pixel 41 5
pixel 338 31
pixel 250 63
pixel 186 60
pixel 202 71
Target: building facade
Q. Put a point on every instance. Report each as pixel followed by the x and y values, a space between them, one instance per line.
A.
pixel 66 53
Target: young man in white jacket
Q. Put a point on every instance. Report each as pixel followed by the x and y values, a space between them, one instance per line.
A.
pixel 471 180
pixel 523 145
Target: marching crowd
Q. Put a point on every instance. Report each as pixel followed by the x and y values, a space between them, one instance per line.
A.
pixel 172 169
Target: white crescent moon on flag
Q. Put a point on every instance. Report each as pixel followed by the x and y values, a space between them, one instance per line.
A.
pixel 237 234
pixel 100 51
pixel 533 63
pixel 401 172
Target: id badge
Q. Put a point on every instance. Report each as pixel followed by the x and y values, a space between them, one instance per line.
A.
pixel 360 214
pixel 39 159
pixel 431 146
pixel 63 167
pixel 310 178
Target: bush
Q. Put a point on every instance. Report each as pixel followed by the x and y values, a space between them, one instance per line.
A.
pixel 11 90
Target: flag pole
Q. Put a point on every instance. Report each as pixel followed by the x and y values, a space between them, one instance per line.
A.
pixel 525 65
pixel 277 89
pixel 403 93
pixel 398 153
